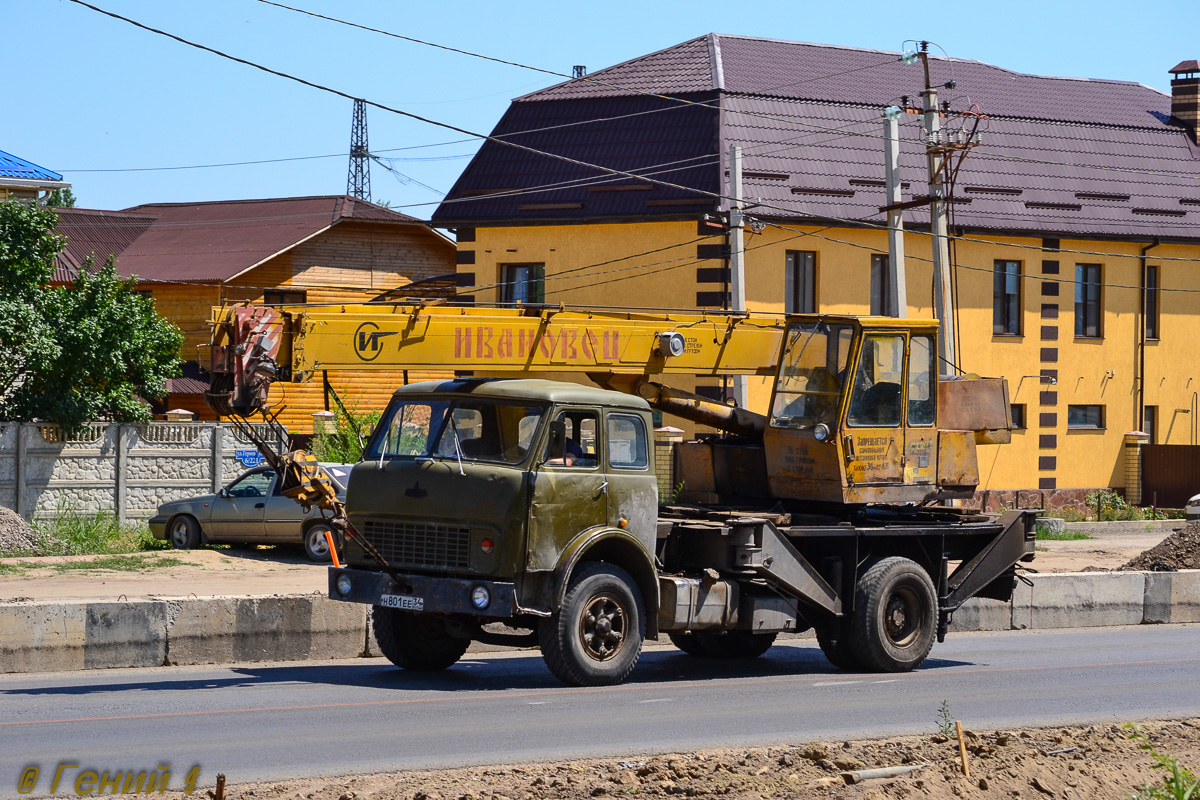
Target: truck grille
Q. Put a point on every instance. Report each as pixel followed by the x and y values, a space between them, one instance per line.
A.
pixel 420 544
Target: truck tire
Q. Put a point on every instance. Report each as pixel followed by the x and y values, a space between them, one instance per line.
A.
pixel 184 532
pixel 839 653
pixel 417 642
pixel 595 638
pixel 895 616
pixel 735 644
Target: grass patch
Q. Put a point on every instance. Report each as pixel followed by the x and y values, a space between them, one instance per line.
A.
pixel 122 563
pixel 1064 536
pixel 76 533
pixel 12 569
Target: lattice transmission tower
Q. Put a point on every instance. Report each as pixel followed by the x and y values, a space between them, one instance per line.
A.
pixel 358 179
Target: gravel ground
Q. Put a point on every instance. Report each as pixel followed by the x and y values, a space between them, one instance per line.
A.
pixel 1180 550
pixel 15 533
pixel 1072 763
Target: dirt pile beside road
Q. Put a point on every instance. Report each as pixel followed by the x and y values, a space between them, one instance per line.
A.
pixel 1180 550
pixel 1070 762
pixel 15 533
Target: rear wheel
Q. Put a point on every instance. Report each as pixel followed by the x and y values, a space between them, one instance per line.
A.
pixel 736 644
pixel 316 546
pixel 687 642
pixel 839 651
pixel 595 638
pixel 895 613
pixel 185 532
pixel 416 642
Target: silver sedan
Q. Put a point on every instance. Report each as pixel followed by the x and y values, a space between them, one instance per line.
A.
pixel 250 509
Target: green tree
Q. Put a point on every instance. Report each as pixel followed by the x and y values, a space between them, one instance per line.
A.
pixel 61 198
pixel 98 348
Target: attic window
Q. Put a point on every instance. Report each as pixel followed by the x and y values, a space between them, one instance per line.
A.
pixel 695 202
pixel 1053 206
pixel 993 190
pixel 548 206
pixel 622 187
pixel 826 192
pixel 1160 212
pixel 767 176
pixel 1189 201
pixel 1120 198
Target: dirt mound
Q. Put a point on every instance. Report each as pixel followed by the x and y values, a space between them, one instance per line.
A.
pixel 15 533
pixel 1099 762
pixel 1180 550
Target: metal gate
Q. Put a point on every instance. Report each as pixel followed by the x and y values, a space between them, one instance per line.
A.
pixel 1170 474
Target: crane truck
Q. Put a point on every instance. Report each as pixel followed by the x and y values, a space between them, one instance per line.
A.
pixel 526 511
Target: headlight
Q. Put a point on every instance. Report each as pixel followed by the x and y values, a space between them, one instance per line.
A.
pixel 481 597
pixel 821 431
pixel 343 584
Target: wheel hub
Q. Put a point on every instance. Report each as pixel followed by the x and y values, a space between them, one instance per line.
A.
pixel 602 628
pixel 901 617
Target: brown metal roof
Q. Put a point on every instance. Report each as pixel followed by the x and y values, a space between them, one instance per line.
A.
pixel 1058 155
pixel 97 234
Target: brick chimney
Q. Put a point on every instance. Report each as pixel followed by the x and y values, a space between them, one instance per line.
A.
pixel 1185 96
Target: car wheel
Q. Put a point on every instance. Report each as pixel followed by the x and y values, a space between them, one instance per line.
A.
pixel 316 546
pixel 595 638
pixel 184 532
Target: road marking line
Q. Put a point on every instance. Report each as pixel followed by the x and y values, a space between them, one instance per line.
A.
pixel 658 700
pixel 567 692
pixel 836 683
pixel 893 680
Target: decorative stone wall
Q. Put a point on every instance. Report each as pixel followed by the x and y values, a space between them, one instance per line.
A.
pixel 992 501
pixel 124 469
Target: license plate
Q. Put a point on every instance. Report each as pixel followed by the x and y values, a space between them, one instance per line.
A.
pixel 405 602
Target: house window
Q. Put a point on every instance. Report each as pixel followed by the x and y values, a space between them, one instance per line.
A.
pixel 1017 412
pixel 1087 300
pixel 800 282
pixel 1151 303
pixel 1085 417
pixel 1006 297
pixel 523 283
pixel 1150 423
pixel 280 297
pixel 881 290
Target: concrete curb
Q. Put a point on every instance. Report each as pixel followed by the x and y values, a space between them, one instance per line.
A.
pixel 50 636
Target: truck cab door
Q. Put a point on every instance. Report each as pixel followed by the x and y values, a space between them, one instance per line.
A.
pixel 874 433
pixel 570 489
pixel 921 436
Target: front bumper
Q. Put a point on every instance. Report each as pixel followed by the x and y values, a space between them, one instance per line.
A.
pixel 158 527
pixel 438 595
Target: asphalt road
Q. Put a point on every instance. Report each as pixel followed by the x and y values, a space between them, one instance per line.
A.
pixel 275 721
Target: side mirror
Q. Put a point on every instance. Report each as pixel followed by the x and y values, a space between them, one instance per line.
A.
pixel 223 492
pixel 557 446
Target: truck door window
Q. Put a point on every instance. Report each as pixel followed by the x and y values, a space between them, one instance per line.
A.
pixel 922 381
pixel 811 375
pixel 627 442
pixel 875 398
pixel 581 440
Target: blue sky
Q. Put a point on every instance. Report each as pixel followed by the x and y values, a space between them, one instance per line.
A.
pixel 87 92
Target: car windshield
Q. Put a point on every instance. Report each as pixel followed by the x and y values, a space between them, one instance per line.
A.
pixel 476 430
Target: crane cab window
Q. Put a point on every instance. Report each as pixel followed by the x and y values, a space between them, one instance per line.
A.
pixel 809 389
pixel 582 441
pixel 922 381
pixel 876 394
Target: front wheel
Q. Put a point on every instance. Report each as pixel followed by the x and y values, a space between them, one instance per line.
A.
pixel 595 638
pixel 185 533
pixel 895 614
pixel 417 642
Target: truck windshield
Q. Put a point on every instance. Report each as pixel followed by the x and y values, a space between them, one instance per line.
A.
pixel 811 375
pixel 478 430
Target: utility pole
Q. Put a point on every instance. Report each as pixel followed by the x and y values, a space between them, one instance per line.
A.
pixel 943 295
pixel 891 150
pixel 737 254
pixel 358 179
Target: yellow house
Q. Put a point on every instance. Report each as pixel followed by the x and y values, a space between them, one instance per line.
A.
pixel 190 257
pixel 1075 224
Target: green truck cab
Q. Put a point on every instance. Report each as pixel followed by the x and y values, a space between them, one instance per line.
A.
pixel 486 499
